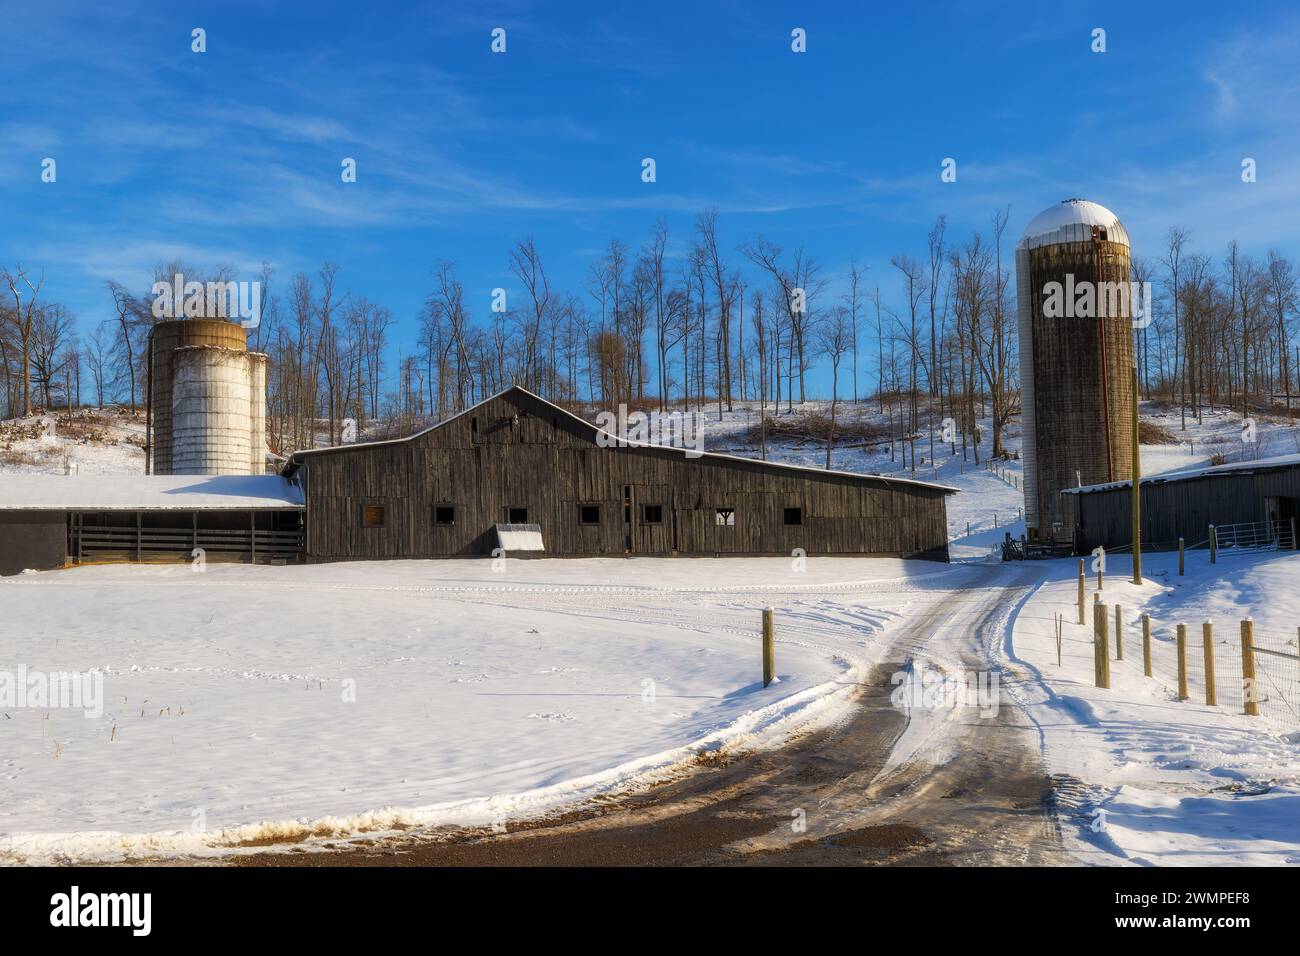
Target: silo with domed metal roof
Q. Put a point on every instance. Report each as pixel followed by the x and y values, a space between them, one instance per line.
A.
pixel 1073 314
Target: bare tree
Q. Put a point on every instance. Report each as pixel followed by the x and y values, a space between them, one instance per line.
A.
pixel 52 328
pixel 97 357
pixel 853 301
pixel 835 335
pixel 935 241
pixel 914 285
pixel 1282 299
pixel 799 283
pixel 23 315
pixel 526 266
pixel 1173 261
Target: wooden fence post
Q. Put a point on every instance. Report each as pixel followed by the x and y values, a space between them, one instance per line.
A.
pixel 1182 662
pixel 1101 646
pixel 1096 639
pixel 1180 557
pixel 1081 592
pixel 1214 546
pixel 1248 692
pixel 1119 633
pixel 1207 636
pixel 1146 644
pixel 769 649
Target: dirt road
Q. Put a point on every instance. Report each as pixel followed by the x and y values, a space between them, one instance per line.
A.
pixel 888 784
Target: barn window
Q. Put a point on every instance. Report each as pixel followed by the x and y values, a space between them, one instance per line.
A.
pixel 517 515
pixel 726 517
pixel 373 516
pixel 793 516
pixel 589 514
pixel 652 514
pixel 444 514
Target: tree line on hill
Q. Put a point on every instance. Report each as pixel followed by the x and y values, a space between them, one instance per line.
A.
pixel 924 338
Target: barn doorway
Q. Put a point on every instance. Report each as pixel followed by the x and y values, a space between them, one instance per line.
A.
pixel 627 519
pixel 1282 513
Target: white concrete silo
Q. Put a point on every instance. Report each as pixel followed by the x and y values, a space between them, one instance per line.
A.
pixel 210 412
pixel 207 400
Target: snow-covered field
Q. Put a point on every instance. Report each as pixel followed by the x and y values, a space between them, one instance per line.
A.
pixel 244 706
pixel 1155 780
pixel 262 704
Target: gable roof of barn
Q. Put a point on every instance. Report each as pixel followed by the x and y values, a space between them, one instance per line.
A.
pixel 294 459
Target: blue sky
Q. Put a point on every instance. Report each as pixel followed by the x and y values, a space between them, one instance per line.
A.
pixel 232 156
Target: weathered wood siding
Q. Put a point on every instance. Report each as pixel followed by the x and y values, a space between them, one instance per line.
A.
pixel 32 539
pixel 516 451
pixel 1184 509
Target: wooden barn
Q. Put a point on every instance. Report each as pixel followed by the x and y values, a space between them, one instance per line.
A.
pixel 518 473
pixel 1183 504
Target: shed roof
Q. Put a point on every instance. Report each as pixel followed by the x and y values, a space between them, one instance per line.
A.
pixel 1276 463
pixel 296 457
pixel 148 493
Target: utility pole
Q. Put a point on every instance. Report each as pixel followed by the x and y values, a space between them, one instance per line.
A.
pixel 1137 488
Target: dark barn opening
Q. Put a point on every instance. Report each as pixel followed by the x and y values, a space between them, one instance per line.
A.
pixel 50 521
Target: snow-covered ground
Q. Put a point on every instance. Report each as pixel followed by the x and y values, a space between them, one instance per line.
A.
pixel 1151 779
pixel 248 705
pixel 262 704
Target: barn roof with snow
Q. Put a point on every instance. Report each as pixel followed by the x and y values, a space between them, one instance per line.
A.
pixel 517 461
pixel 147 493
pixel 1257 466
pixel 295 459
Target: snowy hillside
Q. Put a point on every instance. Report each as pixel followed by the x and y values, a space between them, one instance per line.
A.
pixel 96 442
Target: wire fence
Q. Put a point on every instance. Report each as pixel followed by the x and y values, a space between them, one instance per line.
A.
pixel 1213 678
pixel 1277 681
pixel 1150 546
pixel 1226 540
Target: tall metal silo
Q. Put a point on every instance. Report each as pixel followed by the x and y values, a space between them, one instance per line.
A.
pixel 1076 352
pixel 207 400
